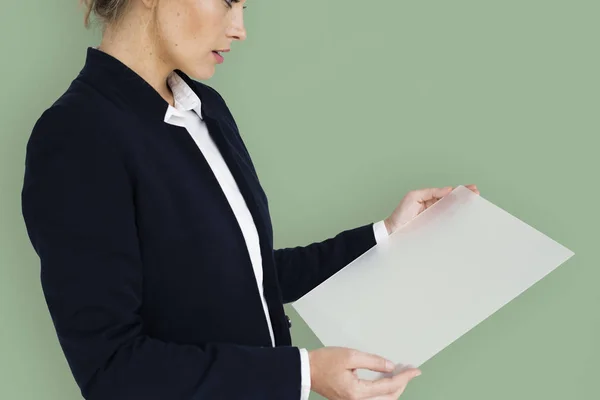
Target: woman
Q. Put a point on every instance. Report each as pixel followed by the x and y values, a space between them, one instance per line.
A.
pixel 154 236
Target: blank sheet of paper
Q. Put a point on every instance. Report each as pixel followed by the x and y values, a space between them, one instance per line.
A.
pixel 431 282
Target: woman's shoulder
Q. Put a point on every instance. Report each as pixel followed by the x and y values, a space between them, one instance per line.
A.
pixel 80 119
pixel 80 105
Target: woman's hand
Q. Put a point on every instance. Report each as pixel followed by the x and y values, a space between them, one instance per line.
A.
pixel 333 376
pixel 415 202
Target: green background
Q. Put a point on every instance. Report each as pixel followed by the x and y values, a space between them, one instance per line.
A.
pixel 345 106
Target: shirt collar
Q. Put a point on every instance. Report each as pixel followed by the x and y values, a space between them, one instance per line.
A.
pixel 185 99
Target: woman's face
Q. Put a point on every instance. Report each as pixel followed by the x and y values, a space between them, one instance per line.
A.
pixel 190 31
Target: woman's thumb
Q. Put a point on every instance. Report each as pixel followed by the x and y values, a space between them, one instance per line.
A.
pixel 372 362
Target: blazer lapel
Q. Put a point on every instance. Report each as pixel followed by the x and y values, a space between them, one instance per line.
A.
pixel 249 186
pixel 242 173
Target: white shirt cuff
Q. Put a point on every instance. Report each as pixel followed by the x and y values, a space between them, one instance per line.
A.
pixel 305 368
pixel 380 231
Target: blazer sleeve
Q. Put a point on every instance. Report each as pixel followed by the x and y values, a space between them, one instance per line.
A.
pixel 77 203
pixel 301 269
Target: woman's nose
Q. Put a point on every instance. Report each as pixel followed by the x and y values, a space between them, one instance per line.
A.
pixel 238 33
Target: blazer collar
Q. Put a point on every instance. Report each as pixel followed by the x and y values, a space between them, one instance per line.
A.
pixel 120 83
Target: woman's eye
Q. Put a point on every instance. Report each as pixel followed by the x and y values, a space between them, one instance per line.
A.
pixel 229 3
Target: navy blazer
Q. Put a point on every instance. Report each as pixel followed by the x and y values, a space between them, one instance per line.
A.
pixel 144 267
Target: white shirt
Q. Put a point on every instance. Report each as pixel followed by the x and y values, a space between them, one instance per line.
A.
pixel 186 114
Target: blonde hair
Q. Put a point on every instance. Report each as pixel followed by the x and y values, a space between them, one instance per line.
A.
pixel 107 11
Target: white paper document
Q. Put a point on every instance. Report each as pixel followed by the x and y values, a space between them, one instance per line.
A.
pixel 430 282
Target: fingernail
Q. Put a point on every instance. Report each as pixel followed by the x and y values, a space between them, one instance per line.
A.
pixel 390 365
pixel 418 373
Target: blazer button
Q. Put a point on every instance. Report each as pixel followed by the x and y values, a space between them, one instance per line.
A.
pixel 289 321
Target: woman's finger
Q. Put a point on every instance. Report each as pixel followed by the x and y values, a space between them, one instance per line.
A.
pixel 431 193
pixel 473 188
pixel 431 202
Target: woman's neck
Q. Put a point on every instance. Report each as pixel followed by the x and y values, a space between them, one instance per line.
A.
pixel 135 49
